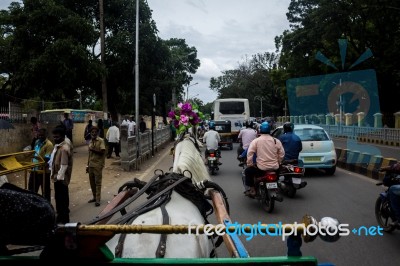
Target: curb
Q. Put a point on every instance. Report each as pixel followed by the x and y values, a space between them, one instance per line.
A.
pixel 363 163
pixel 156 165
pixel 379 141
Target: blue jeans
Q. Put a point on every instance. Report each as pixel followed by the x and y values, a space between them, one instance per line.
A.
pixel 394 197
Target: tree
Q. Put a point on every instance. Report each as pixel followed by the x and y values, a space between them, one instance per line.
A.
pixel 53 62
pixel 316 25
pixel 259 75
pixel 42 61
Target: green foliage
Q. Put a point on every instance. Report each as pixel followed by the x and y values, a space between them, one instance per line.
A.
pixel 316 25
pixel 42 61
pixel 258 76
pixel 49 50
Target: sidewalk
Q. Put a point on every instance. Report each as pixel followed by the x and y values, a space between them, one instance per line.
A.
pixel 113 177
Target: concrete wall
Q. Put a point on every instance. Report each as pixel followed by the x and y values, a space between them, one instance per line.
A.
pixel 15 140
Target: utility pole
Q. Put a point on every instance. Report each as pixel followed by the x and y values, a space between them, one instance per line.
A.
pixel 103 78
pixel 138 148
pixel 260 98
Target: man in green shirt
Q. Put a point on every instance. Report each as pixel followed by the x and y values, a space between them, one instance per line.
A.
pixel 96 161
pixel 43 147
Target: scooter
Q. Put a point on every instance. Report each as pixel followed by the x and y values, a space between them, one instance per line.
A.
pixel 291 173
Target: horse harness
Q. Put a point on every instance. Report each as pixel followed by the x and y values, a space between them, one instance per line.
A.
pixel 159 189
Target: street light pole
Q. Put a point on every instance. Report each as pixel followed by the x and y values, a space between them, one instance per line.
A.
pixel 285 109
pixel 340 104
pixel 260 98
pixel 138 148
pixel 187 90
pixel 80 99
pixel 175 70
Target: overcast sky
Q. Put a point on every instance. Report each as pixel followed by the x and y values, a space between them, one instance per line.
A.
pixel 224 32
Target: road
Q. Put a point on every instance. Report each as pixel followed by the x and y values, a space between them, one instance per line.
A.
pixel 347 196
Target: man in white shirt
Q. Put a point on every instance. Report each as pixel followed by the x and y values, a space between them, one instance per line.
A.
pixel 131 127
pixel 212 138
pixel 245 136
pixel 112 137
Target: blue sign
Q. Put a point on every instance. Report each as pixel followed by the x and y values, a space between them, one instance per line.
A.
pixel 354 92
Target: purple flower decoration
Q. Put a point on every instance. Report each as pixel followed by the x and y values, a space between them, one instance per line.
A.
pixel 185 116
pixel 186 107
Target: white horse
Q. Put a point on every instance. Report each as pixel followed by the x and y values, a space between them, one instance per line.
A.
pixel 181 211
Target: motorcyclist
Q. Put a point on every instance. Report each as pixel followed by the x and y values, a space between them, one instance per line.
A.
pixel 245 136
pixel 392 180
pixel 270 154
pixel 290 142
pixel 211 138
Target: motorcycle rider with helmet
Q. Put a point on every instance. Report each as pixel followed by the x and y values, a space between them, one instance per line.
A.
pixel 211 138
pixel 270 154
pixel 290 142
pixel 245 137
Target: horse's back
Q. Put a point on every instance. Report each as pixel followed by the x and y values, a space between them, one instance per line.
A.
pixel 181 212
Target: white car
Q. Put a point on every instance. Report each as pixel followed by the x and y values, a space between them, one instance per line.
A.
pixel 318 148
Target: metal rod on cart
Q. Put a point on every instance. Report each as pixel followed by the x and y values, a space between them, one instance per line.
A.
pixel 184 229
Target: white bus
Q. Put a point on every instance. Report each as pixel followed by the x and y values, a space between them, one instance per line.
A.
pixel 236 110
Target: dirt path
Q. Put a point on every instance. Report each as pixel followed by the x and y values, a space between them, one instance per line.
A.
pixel 113 177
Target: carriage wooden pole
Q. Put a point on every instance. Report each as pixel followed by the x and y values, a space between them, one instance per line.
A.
pixel 115 202
pixel 236 249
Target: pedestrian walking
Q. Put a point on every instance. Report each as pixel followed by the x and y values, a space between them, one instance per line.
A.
pixel 69 126
pixel 112 136
pixel 88 129
pixel 96 161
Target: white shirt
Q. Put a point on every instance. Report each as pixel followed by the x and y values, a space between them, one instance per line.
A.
pixel 131 126
pixel 113 134
pixel 211 138
pixel 247 135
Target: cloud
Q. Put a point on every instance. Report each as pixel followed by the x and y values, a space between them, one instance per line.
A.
pixel 224 32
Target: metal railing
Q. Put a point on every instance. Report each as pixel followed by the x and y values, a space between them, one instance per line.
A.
pixel 133 155
pixel 384 134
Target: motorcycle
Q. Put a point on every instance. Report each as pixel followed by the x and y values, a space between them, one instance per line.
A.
pixel 267 190
pixel 290 175
pixel 213 161
pixel 383 211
